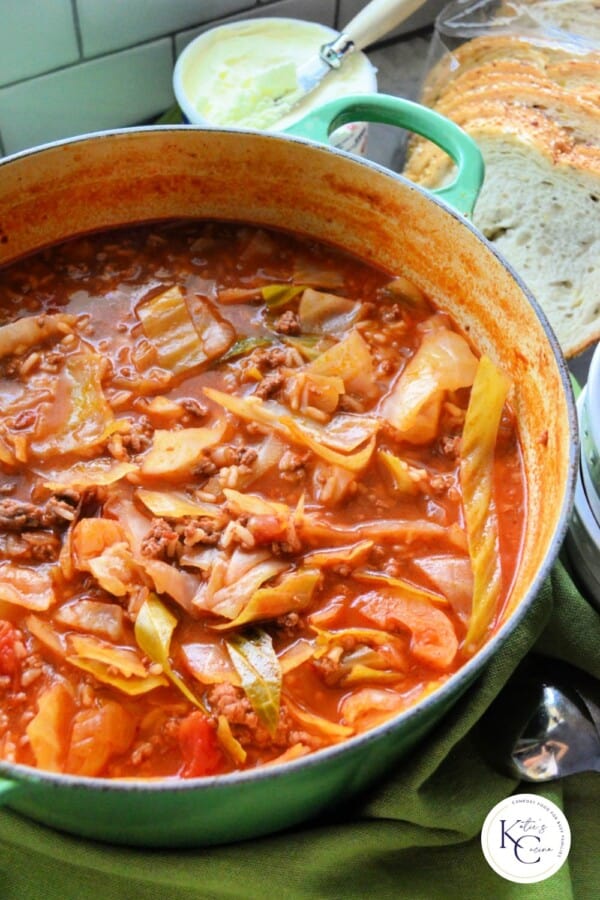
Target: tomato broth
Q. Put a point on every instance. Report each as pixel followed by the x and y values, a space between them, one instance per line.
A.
pixel 257 497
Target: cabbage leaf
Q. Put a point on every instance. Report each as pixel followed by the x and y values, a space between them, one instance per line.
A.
pixel 182 341
pixel 80 418
pixel 400 472
pixel 176 505
pixel 154 629
pixel 278 295
pixel 174 454
pixel 407 588
pixel 350 359
pixel 352 555
pixel 443 362
pixel 95 473
pixel 347 431
pixel 256 663
pixel 228 742
pixel 319 725
pixel 113 665
pixel 480 432
pixel 233 598
pixel 292 594
pixel 49 730
pixel 31 588
pixel 28 331
pixel 322 312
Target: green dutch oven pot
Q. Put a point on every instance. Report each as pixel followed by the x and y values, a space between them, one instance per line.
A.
pixel 298 182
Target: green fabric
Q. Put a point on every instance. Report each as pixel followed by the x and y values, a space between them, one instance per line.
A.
pixel 416 835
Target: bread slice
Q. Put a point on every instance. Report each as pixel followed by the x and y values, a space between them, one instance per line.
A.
pixel 540 207
pixel 428 165
pixel 543 214
pixel 534 109
pixel 579 116
pixel 487 49
pixel 577 78
pixel 581 76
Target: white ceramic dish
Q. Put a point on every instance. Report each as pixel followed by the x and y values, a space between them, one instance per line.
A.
pixel 583 537
pixel 216 59
pixel 589 423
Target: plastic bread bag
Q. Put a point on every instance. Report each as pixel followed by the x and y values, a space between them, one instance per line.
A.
pixel 523 80
pixel 562 34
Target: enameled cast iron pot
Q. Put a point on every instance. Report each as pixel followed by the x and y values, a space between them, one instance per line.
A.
pixel 111 179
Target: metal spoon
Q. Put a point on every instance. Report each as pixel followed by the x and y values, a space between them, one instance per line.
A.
pixel 546 723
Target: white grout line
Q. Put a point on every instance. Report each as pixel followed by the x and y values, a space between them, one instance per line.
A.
pixel 77 26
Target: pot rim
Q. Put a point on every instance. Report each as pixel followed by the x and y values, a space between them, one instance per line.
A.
pixel 459 681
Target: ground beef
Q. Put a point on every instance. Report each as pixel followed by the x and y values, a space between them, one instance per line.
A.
pixel 246 456
pixel 194 407
pixel 161 542
pixel 271 384
pixel 289 623
pixel 265 358
pixel 282 548
pixel 292 465
pixel 15 515
pixel 288 323
pixel 330 670
pixel 205 468
pixel 18 515
pixel 227 455
pixel 30 546
pixel 166 540
pixel 225 699
pixel 62 509
pixel 139 437
pixel 12 650
pixel 203 530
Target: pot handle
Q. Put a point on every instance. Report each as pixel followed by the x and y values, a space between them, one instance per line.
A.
pixel 383 108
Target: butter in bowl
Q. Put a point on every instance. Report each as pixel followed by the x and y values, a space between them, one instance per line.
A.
pixel 231 75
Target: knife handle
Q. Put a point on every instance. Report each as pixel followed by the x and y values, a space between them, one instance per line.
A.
pixel 378 18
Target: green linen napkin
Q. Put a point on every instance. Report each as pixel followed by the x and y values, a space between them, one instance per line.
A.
pixel 416 835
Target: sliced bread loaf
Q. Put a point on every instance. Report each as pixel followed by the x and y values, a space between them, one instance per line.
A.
pixel 535 113
pixel 542 213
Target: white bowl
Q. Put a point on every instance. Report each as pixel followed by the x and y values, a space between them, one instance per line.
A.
pixel 583 537
pixel 589 423
pixel 216 74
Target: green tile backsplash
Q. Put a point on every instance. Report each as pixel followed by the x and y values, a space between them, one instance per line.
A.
pixel 72 66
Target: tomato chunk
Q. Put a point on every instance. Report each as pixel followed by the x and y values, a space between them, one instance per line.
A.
pixel 200 748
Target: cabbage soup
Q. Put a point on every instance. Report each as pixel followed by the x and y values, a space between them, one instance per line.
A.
pixel 257 497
